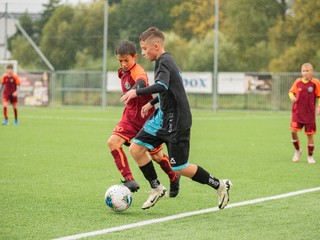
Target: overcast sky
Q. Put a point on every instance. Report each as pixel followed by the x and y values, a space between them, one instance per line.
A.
pixel 32 6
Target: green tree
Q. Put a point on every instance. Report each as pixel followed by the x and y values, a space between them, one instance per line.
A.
pixel 247 25
pixel 296 39
pixel 18 45
pixel 48 11
pixel 25 54
pixel 26 22
pixel 195 18
pixel 197 55
pixel 58 40
pixel 130 18
pixel 87 26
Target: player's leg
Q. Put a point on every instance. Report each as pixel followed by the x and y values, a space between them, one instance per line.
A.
pixel 138 150
pixel 163 160
pixel 119 137
pixel 294 128
pixel 15 111
pixel 120 158
pixel 179 155
pixel 5 111
pixel 310 130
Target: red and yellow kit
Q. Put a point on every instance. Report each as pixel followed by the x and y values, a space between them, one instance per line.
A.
pixel 10 84
pixel 304 108
pixel 131 121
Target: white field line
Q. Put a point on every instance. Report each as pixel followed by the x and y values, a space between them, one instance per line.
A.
pixel 73 118
pixel 183 215
pixel 106 119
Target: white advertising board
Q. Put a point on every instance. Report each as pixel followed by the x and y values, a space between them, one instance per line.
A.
pixel 231 83
pixel 243 83
pixel 194 82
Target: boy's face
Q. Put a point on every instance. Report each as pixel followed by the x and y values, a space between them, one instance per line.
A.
pixel 306 71
pixel 149 50
pixel 9 71
pixel 126 61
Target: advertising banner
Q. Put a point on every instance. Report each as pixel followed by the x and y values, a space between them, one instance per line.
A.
pixel 34 89
pixel 243 83
pixel 194 82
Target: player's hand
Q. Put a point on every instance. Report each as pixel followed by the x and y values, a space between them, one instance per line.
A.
pixel 293 99
pixel 128 95
pixel 15 93
pixel 145 109
pixel 318 110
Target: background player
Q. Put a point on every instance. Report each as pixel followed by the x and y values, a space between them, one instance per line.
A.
pixel 10 84
pixel 133 76
pixel 170 123
pixel 303 94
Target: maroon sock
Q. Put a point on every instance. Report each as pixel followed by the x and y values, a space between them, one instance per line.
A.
pixel 15 110
pixel 166 167
pixel 296 144
pixel 310 149
pixel 5 112
pixel 121 162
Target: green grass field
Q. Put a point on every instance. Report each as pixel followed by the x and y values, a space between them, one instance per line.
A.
pixel 55 168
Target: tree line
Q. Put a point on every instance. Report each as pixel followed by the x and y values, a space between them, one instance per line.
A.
pixel 254 36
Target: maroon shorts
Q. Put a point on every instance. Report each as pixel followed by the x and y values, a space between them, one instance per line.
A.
pixel 126 130
pixel 9 98
pixel 309 128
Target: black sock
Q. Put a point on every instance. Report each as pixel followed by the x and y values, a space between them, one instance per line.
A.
pixel 202 176
pixel 150 174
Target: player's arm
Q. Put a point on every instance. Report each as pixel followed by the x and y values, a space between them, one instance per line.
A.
pixel 293 90
pixel 145 109
pixel 318 108
pixel 17 81
pixel 155 88
pixel 292 97
pixel 15 93
pixel 139 84
pixel 318 96
pixel 154 101
pixel 2 83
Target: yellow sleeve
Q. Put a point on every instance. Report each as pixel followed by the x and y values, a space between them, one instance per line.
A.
pixel 318 102
pixel 291 95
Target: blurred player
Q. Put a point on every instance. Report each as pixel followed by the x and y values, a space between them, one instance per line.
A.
pixel 169 124
pixel 10 84
pixel 133 76
pixel 304 94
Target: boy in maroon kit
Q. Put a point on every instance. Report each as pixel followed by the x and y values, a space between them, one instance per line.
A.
pixel 10 83
pixel 304 94
pixel 133 76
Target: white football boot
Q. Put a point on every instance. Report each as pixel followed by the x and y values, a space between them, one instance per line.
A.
pixel 156 193
pixel 223 192
pixel 296 156
pixel 311 160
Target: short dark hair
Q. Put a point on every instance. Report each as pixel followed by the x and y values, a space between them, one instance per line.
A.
pixel 126 47
pixel 9 66
pixel 151 32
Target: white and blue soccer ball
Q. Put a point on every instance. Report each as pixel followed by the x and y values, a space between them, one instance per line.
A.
pixel 118 198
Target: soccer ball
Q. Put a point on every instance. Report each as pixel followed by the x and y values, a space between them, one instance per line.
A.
pixel 118 198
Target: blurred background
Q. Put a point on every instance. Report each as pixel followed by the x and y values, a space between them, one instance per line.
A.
pixel 260 46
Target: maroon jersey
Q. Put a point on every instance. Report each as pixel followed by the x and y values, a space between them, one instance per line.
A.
pixel 10 84
pixel 304 109
pixel 131 121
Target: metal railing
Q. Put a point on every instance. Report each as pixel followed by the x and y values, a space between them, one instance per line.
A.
pixel 83 88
